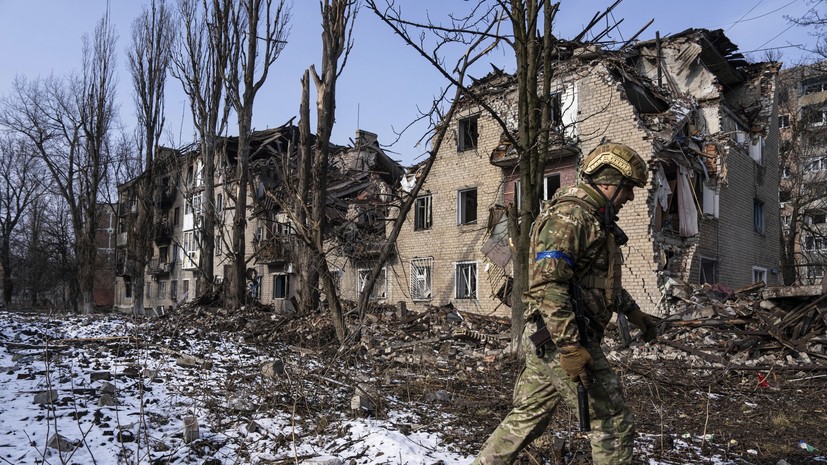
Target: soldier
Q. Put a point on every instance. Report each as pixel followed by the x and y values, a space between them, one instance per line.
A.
pixel 575 242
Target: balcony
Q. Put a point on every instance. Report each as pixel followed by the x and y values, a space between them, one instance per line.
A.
pixel 365 247
pixel 163 233
pixel 506 156
pixel 166 197
pixel 159 266
pixel 278 249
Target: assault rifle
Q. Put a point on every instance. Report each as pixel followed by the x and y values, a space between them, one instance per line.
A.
pixel 582 328
pixel 541 337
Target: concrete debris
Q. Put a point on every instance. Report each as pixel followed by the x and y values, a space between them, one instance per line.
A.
pixel 749 328
pixel 61 443
pixel 191 432
pixel 45 397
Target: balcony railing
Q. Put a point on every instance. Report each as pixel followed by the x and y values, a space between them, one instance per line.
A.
pixel 278 249
pixel 159 266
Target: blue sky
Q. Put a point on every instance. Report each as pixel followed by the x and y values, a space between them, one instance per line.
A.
pixel 384 81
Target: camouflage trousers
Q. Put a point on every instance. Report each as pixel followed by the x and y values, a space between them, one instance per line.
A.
pixel 540 387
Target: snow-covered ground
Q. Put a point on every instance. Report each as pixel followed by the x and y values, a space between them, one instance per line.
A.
pixel 155 388
pixel 104 390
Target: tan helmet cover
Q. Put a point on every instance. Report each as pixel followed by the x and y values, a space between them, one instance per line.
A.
pixel 621 158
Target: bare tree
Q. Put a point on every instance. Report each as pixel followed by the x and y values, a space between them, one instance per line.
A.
pixel 69 124
pixel 197 64
pixel 337 26
pixel 252 33
pixel 20 187
pixel 149 59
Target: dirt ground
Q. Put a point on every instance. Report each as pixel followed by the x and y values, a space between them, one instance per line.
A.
pixel 685 415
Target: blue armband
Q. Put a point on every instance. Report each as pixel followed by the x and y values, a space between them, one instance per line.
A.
pixel 555 254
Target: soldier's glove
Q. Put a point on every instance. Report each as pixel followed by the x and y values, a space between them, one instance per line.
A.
pixel 644 322
pixel 576 361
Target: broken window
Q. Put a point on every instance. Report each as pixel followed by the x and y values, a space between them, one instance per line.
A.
pixel 468 134
pixel 815 273
pixel 786 172
pixel 467 206
pixel 422 213
pixel 281 286
pixel 676 209
pixel 148 287
pixel 756 150
pixel 173 290
pixel 219 244
pixel 466 280
pixel 816 218
pixel 816 164
pixel 784 121
pixel 814 115
pixel 162 289
pixel 784 196
pixel 813 85
pixel 175 215
pixel 219 202
pixel 710 197
pixel 421 272
pixel 550 185
pixel 759 274
pixel 380 288
pixel 709 271
pixel 185 289
pixel 127 284
pixel 758 216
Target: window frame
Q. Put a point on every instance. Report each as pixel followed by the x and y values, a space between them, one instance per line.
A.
pixel 709 262
pixel 380 285
pixel 462 207
pixel 285 294
pixel 463 269
pixel 422 279
pixel 468 133
pixel 758 216
pixel 424 205
pixel 758 271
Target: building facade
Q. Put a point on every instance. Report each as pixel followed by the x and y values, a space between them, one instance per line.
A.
pixel 712 149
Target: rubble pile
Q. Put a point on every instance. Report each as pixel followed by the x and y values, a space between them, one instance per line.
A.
pixel 751 328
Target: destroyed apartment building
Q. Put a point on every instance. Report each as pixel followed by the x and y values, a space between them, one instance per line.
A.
pixel 360 179
pixel 802 122
pixel 704 118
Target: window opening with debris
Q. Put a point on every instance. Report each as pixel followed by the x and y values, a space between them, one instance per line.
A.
pixel 466 280
pixel 380 288
pixel 467 206
pixel 281 286
pixel 468 133
pixel 422 213
pixel 421 278
pixel 676 208
pixel 709 271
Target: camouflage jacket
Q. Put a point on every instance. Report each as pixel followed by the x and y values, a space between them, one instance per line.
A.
pixel 568 243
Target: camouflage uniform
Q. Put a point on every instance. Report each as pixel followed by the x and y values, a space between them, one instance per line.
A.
pixel 568 243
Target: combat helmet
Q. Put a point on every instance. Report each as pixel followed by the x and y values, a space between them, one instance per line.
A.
pixel 626 161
